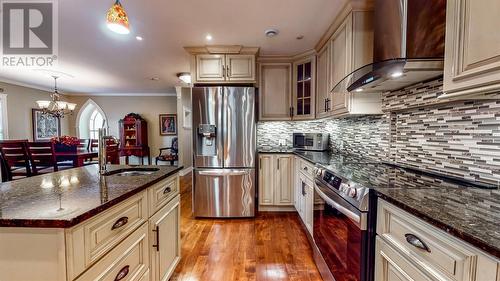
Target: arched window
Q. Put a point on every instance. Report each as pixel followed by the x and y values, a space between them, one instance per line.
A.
pixel 90 118
pixel 95 122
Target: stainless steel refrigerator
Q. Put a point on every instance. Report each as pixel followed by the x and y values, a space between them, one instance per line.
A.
pixel 224 143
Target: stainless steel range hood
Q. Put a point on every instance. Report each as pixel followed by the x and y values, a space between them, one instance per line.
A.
pixel 408 47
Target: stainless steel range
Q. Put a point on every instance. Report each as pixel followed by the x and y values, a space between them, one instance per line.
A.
pixel 341 230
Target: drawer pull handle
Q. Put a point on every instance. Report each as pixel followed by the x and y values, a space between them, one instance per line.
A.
pixel 416 242
pixel 167 190
pixel 119 223
pixel 305 169
pixel 123 272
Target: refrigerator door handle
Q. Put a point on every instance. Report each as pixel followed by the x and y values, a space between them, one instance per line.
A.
pixel 226 172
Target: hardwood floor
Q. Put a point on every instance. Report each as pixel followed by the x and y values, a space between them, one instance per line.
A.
pixel 273 246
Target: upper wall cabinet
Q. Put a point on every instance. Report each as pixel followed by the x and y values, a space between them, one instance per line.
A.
pixel 303 106
pixel 275 91
pixel 322 82
pixel 222 64
pixel 472 48
pixel 287 87
pixel 348 47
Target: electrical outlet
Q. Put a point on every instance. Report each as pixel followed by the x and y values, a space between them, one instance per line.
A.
pixel 282 142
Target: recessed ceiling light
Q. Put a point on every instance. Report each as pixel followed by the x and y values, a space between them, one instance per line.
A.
pixel 359 90
pixel 396 74
pixel 184 77
pixel 208 37
pixel 139 38
pixel 272 32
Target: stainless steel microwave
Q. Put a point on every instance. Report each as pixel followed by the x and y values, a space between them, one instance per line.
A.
pixel 310 141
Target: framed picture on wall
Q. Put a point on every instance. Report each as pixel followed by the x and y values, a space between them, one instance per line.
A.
pixel 168 124
pixel 44 126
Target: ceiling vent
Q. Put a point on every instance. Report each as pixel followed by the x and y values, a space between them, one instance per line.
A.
pixel 271 32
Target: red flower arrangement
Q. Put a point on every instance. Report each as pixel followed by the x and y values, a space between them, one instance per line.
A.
pixel 65 140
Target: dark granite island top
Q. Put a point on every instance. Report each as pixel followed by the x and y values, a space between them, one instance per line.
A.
pixel 66 198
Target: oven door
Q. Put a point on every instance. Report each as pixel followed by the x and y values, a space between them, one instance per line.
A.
pixel 340 236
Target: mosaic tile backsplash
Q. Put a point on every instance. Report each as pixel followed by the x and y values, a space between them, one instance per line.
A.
pixel 455 138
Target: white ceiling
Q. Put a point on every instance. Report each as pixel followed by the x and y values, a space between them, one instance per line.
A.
pixel 103 62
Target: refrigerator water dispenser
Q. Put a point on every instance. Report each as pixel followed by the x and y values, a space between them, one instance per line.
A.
pixel 206 140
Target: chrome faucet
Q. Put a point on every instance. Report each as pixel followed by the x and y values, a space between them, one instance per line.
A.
pixel 103 167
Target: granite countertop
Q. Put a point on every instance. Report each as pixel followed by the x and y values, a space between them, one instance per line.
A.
pixel 459 208
pixel 66 198
pixel 469 213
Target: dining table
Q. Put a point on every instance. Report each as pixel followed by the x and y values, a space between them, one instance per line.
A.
pixel 77 157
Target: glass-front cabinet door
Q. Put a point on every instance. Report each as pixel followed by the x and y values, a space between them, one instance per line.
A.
pixel 304 88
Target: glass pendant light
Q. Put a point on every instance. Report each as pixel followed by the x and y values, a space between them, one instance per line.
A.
pixel 117 19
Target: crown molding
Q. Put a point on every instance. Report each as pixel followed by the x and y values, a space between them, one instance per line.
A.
pixel 26 85
pixel 122 94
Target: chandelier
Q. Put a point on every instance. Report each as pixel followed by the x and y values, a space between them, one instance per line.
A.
pixel 56 107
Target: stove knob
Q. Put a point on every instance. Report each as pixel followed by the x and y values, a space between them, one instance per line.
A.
pixel 352 192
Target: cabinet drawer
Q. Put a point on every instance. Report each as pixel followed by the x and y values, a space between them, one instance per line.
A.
pixel 129 261
pixel 306 168
pixel 391 266
pixel 162 192
pixel 442 255
pixel 91 240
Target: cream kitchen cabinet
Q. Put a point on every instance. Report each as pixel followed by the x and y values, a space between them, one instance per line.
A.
pixel 409 248
pixel 276 181
pixel 164 233
pixel 323 97
pixel 120 243
pixel 275 91
pixel 304 192
pixel 227 68
pixel 287 87
pixel 348 48
pixel 472 48
pixel 304 83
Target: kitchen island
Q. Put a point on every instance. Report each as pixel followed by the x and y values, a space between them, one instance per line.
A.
pixel 77 225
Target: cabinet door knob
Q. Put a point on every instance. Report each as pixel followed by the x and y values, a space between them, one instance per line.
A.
pixel 119 223
pixel 122 273
pixel 167 190
pixel 416 242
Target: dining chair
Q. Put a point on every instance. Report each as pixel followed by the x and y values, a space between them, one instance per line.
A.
pixel 172 156
pixel 92 146
pixel 84 144
pixel 43 158
pixel 15 159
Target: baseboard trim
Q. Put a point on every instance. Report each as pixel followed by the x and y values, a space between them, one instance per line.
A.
pixel 185 171
pixel 277 209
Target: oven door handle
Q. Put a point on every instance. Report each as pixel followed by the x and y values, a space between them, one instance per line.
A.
pixel 358 219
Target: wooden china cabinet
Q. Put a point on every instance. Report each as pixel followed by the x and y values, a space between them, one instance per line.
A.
pixel 134 137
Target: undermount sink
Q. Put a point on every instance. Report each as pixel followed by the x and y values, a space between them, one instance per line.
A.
pixel 131 172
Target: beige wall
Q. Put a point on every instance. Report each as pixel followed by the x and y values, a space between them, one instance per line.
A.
pixel 20 101
pixel 116 107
